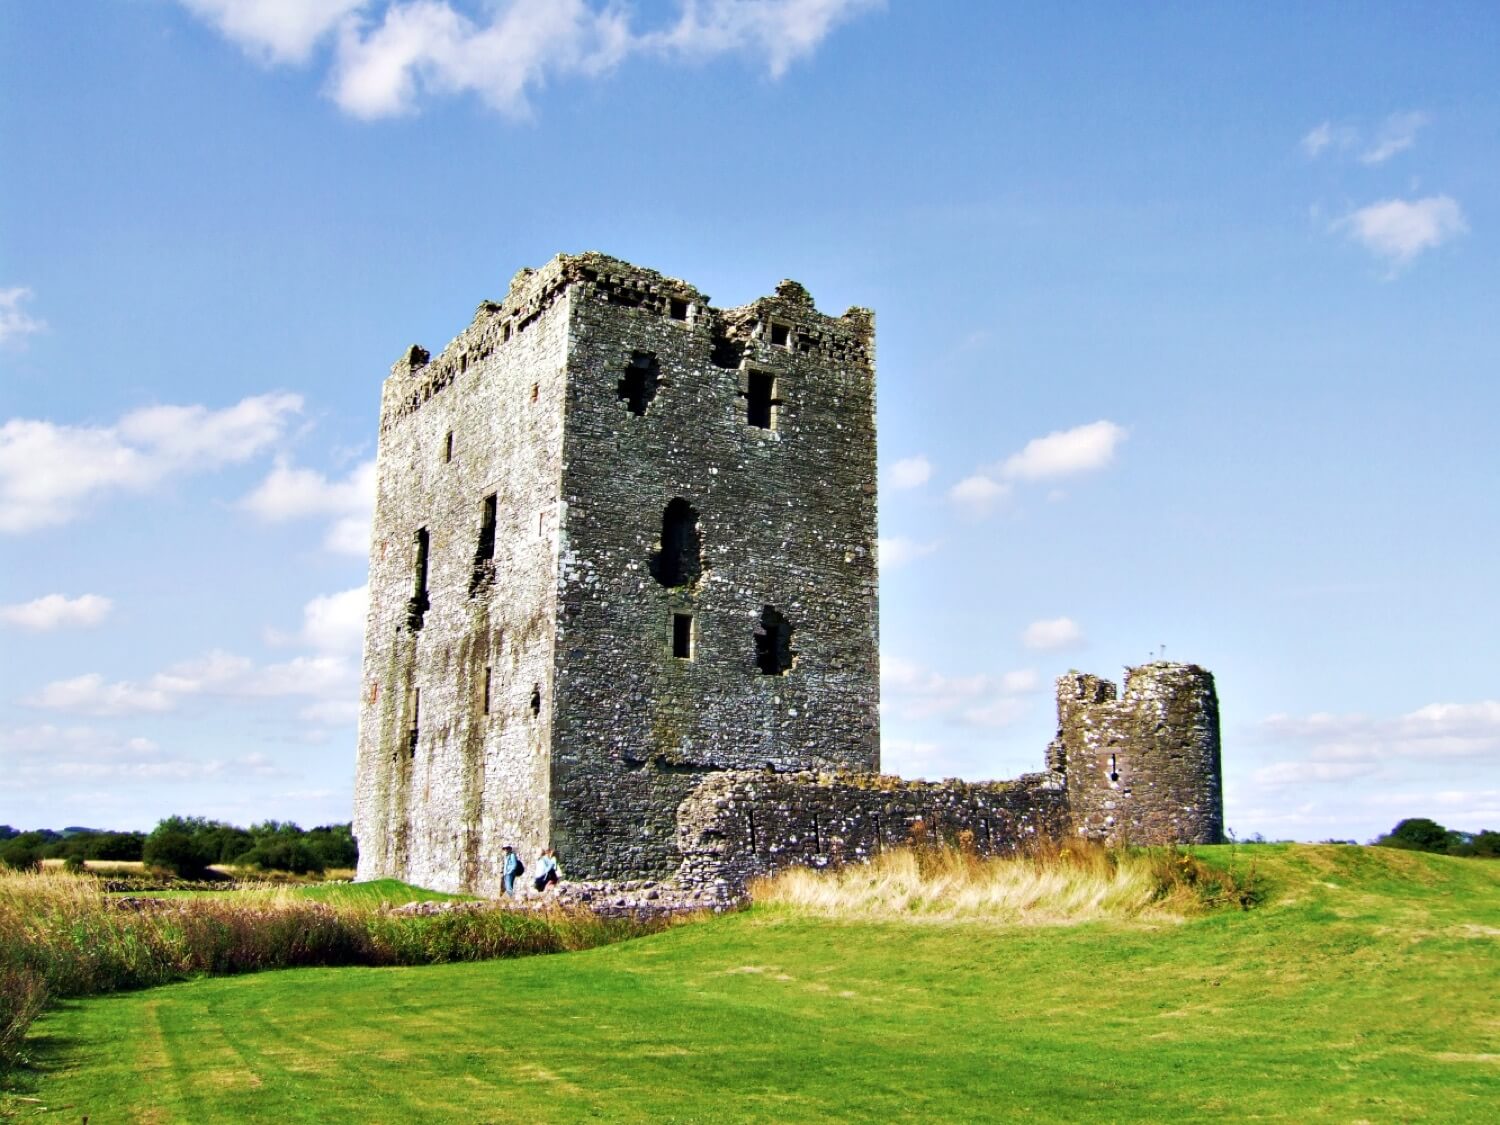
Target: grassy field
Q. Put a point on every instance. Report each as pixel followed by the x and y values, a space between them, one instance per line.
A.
pixel 1365 989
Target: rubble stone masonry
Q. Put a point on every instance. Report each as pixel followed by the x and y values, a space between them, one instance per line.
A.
pixel 623 601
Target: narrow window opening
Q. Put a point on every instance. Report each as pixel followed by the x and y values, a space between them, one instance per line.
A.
pixel 485 695
pixel 682 636
pixel 1114 773
pixel 448 448
pixel 486 549
pixel 417 608
pixel 375 692
pixel 638 385
pixel 780 335
pixel 750 812
pixel 761 402
pixel 536 700
pixel 679 561
pixel 541 524
pixel 678 309
pixel 536 389
pixel 414 729
pixel 773 643
pixel 507 331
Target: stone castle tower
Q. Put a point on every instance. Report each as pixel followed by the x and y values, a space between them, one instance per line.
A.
pixel 622 540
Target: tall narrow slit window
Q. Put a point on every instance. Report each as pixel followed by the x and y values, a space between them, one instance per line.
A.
pixel 761 403
pixel 448 448
pixel 484 550
pixel 773 643
pixel 417 608
pixel 484 694
pixel 415 725
pixel 682 636
pixel 639 383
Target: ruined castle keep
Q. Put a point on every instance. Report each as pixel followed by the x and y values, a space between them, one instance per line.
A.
pixel 623 601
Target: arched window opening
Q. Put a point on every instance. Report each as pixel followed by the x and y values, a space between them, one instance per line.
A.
pixel 773 643
pixel 679 562
pixel 638 385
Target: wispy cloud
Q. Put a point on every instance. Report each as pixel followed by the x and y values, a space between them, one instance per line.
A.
pixel 897 551
pixel 15 324
pixel 1397 230
pixel 917 694
pixel 1438 730
pixel 978 494
pixel 56 611
pixel 49 472
pixel 387 56
pixel 325 679
pixel 910 472
pixel 1396 134
pixel 290 493
pixel 1062 453
pixel 1053 633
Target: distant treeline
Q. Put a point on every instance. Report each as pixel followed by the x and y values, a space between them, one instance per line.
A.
pixel 1418 834
pixel 188 845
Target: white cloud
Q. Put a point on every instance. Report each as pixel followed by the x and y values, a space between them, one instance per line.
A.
pixel 387 56
pixel 1301 773
pixel 978 494
pixel 335 623
pixel 38 755
pixel 917 694
pixel 326 680
pixel 54 611
pixel 15 324
pixel 1398 230
pixel 1316 140
pixel 1053 633
pixel 89 694
pixel 49 472
pixel 1065 452
pixel 290 493
pixel 897 552
pixel 274 30
pixel 1397 134
pixel 910 472
pixel 1438 730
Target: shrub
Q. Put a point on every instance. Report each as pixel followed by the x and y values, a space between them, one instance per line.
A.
pixel 177 852
pixel 282 853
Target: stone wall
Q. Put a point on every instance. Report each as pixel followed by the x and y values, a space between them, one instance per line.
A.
pixel 1145 768
pixel 782 514
pixel 468 668
pixel 743 824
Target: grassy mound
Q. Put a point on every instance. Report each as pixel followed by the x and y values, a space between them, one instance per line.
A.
pixel 1362 989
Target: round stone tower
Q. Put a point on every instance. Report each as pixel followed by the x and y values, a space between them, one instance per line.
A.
pixel 1143 768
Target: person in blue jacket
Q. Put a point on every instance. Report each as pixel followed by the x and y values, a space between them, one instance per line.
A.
pixel 510 870
pixel 546 869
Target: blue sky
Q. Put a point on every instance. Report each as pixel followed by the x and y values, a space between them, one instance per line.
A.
pixel 1186 338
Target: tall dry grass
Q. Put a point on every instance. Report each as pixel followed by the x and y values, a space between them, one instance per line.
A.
pixel 1081 881
pixel 61 935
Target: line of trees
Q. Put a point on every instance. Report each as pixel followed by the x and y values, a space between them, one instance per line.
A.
pixel 188 845
pixel 1419 834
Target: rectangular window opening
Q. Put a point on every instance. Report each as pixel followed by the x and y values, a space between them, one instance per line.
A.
pixel 682 636
pixel 761 401
pixel 417 608
pixel 486 550
pixel 411 734
pixel 448 448
pixel 535 390
pixel 486 693
pixel 780 335
pixel 678 309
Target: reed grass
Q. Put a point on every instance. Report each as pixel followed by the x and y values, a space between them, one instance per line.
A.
pixel 1051 885
pixel 62 936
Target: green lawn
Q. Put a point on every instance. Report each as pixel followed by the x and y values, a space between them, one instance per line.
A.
pixel 1367 989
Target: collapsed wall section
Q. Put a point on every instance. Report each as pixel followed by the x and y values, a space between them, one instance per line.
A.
pixel 743 824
